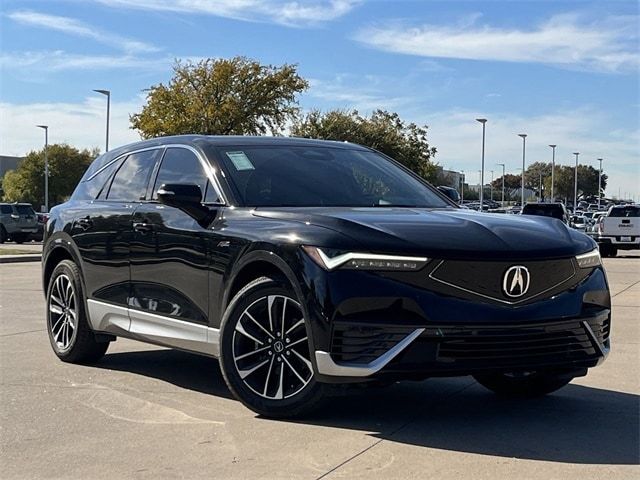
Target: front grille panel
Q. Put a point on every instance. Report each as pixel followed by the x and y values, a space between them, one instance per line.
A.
pixel 506 345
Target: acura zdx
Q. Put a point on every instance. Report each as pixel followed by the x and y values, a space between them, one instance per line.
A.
pixel 302 263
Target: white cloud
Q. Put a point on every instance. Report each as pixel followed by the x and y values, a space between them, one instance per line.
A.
pixel 352 92
pixel 44 62
pixel 609 44
pixel 458 138
pixel 75 27
pixel 283 12
pixel 81 124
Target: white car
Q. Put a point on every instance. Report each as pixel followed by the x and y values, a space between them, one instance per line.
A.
pixel 619 229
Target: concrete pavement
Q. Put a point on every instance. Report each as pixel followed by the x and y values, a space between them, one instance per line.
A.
pixel 148 412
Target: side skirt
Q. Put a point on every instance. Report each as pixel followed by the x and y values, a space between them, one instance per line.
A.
pixel 152 328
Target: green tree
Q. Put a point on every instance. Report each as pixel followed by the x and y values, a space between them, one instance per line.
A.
pixel 384 131
pixel 510 182
pixel 587 182
pixel 66 166
pixel 236 96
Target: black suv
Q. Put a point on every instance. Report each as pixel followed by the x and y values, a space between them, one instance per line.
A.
pixel 302 263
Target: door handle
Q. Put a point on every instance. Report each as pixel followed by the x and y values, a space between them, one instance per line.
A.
pixel 142 227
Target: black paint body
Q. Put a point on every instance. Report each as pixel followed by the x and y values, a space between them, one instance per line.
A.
pixel 181 269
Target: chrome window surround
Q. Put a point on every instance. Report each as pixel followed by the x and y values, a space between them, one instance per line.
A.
pixel 209 170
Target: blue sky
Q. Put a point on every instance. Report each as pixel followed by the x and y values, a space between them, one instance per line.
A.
pixel 563 72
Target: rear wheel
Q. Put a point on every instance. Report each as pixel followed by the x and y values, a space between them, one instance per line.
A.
pixel 19 238
pixel 265 352
pixel 525 384
pixel 69 334
pixel 3 234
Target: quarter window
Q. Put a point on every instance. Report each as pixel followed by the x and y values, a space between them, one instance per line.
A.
pixel 131 180
pixel 6 209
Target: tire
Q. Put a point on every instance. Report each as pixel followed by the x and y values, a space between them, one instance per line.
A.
pixel 3 234
pixel 534 384
pixel 18 238
pixel 613 252
pixel 69 334
pixel 267 365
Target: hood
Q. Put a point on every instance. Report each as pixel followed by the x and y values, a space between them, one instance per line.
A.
pixel 443 233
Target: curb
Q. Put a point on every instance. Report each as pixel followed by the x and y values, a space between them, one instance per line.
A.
pixel 21 258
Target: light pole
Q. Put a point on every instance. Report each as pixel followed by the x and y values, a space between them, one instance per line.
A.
pixel 553 171
pixel 540 188
pixel 575 185
pixel 502 165
pixel 524 143
pixel 599 182
pixel 462 189
pixel 483 121
pixel 108 94
pixel 491 186
pixel 46 166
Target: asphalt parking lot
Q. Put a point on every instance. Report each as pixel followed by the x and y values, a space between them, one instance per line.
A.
pixel 148 412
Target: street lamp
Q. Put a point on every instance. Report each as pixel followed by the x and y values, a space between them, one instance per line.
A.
pixel 483 121
pixel 108 94
pixel 575 185
pixel 462 189
pixel 540 187
pixel 524 142
pixel 491 186
pixel 599 182
pixel 553 171
pixel 502 165
pixel 46 166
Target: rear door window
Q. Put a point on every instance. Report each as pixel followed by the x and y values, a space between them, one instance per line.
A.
pixel 132 179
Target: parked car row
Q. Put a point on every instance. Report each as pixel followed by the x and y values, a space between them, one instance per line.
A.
pixel 20 223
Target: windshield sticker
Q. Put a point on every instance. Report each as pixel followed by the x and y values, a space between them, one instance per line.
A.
pixel 240 161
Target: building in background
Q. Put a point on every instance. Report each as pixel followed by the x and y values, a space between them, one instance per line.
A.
pixel 8 163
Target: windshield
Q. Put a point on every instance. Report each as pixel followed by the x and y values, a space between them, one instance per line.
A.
pixel 301 176
pixel 554 211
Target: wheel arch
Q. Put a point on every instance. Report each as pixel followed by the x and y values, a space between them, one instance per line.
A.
pixel 255 264
pixel 56 251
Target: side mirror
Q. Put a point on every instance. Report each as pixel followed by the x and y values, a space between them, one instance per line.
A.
pixel 179 194
pixel 188 198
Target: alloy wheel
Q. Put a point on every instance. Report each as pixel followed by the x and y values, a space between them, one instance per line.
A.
pixel 62 312
pixel 271 349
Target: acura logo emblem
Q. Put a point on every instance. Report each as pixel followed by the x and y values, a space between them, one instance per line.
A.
pixel 516 281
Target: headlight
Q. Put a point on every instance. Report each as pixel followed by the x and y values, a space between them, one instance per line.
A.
pixel 365 261
pixel 590 259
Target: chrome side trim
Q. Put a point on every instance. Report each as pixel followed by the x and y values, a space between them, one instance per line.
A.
pixel 432 277
pixel 108 318
pixel 149 327
pixel 326 365
pixel 173 333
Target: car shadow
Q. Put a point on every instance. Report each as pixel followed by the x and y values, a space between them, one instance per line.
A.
pixel 182 369
pixel 578 424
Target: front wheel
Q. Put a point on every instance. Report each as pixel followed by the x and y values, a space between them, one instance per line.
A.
pixel 265 353
pixel 525 384
pixel 69 334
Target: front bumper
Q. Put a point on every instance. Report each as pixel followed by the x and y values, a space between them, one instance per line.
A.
pixel 447 350
pixel 367 326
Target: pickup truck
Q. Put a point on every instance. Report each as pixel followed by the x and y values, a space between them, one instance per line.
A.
pixel 619 229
